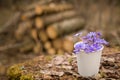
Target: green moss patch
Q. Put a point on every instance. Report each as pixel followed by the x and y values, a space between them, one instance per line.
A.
pixel 61 67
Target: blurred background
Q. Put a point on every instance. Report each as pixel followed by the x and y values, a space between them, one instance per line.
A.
pixel 29 28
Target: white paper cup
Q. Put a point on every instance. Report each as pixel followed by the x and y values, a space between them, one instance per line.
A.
pixel 88 63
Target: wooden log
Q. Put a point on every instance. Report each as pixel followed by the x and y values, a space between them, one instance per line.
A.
pixel 22 28
pixel 34 34
pixel 51 51
pixel 40 9
pixel 64 27
pixel 27 45
pixel 43 36
pixel 10 23
pixel 46 20
pixel 38 23
pixel 60 51
pixel 57 43
pixel 52 8
pixel 47 45
pixel 18 46
pixel 29 11
pixel 37 48
pixel 32 6
pixel 68 44
pixel 27 15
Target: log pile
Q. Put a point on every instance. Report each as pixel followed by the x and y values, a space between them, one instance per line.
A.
pixel 49 26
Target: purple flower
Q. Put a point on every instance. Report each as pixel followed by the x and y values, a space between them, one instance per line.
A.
pixel 90 43
pixel 98 34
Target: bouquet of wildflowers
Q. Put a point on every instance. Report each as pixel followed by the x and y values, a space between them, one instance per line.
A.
pixel 90 43
pixel 88 52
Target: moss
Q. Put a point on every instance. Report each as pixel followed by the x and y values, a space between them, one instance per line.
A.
pixel 102 74
pixel 26 77
pixel 70 60
pixel 14 72
pixel 48 58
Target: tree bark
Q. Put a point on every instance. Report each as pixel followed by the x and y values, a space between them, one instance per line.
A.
pixel 27 15
pixel 10 23
pixel 22 29
pixel 32 6
pixel 46 20
pixel 37 48
pixel 52 8
pixel 65 27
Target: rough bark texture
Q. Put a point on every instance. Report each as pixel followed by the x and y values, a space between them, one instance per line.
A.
pixel 38 48
pixel 46 20
pixel 27 15
pixel 65 27
pixel 52 8
pixel 22 29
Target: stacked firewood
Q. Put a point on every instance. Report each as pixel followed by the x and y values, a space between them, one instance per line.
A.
pixel 49 25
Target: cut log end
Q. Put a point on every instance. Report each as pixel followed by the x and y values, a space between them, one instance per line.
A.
pixel 43 36
pixel 51 31
pixel 68 44
pixel 57 43
pixel 39 23
pixel 34 34
pixel 38 10
pixel 51 51
pixel 47 45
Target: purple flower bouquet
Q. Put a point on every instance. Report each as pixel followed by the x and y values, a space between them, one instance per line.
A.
pixel 88 52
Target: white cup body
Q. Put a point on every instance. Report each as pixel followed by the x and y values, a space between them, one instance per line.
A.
pixel 88 63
